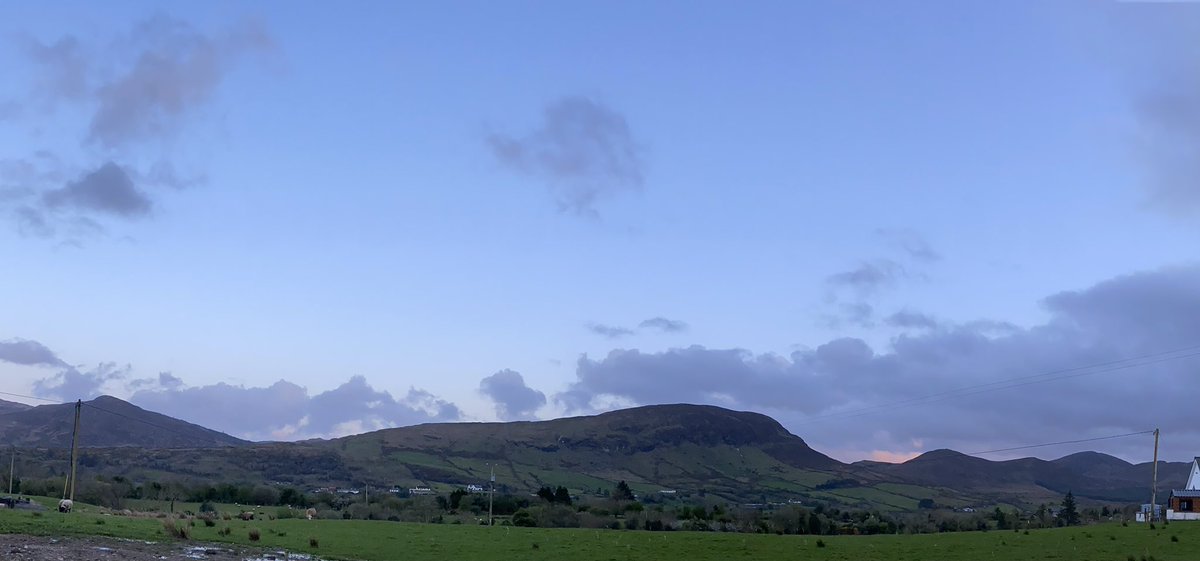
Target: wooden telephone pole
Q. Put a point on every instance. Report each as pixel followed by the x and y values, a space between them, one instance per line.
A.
pixel 491 495
pixel 1154 483
pixel 12 470
pixel 69 487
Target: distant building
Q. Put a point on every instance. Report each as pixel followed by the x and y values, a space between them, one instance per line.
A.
pixel 420 491
pixel 475 488
pixel 668 492
pixel 1184 504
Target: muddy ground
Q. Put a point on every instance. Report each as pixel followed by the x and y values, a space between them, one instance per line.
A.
pixel 42 548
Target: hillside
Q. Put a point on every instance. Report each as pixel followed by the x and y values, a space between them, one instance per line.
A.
pixel 1089 475
pixel 107 422
pixel 9 407
pixel 697 451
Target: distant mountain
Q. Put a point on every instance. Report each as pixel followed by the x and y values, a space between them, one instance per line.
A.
pixel 1089 475
pixel 9 406
pixel 106 422
pixel 694 450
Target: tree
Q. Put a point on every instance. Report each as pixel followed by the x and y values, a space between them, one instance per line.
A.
pixel 623 492
pixel 1069 515
pixel 561 495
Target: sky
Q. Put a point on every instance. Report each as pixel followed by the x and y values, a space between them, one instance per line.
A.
pixel 894 227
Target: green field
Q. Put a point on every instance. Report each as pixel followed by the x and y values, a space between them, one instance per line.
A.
pixel 380 541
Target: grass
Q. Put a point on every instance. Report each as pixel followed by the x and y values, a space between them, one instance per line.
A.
pixel 379 541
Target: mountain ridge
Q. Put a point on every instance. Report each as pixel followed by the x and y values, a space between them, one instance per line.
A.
pixel 107 422
pixel 696 449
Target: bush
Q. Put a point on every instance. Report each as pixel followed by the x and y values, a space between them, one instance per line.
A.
pixel 225 531
pixel 1174 538
pixel 209 522
pixel 174 530
pixel 313 542
pixel 207 507
pixel 254 534
pixel 100 522
pixel 820 543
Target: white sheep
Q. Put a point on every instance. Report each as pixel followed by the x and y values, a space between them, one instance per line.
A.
pixel 65 505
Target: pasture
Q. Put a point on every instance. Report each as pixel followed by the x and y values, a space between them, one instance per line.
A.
pixel 381 541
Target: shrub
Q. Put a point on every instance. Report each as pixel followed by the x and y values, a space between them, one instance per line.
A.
pixel 226 516
pixel 281 534
pixel 207 507
pixel 225 531
pixel 1174 538
pixel 820 543
pixel 313 542
pixel 37 515
pixel 209 522
pixel 255 535
pixel 100 522
pixel 174 530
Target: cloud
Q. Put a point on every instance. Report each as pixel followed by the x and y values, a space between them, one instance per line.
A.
pixel 1167 109
pixel 910 242
pixel 72 384
pixel 106 190
pixel 135 93
pixel 610 331
pixel 64 69
pixel 663 324
pixel 583 150
pixel 832 394
pixel 911 319
pixel 869 276
pixel 175 70
pixel 28 353
pixel 514 400
pixel 286 411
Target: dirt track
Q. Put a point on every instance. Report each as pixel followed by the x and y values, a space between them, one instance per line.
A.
pixel 41 548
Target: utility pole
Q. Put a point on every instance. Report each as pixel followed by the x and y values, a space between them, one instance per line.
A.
pixel 1154 483
pixel 367 493
pixel 74 453
pixel 12 470
pixel 491 495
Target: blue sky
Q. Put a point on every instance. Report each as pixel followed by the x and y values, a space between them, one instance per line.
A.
pixel 340 208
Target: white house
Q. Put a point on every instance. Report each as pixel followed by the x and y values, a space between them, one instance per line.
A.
pixel 1184 504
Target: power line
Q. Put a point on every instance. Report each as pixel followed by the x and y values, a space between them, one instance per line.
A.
pixel 1050 376
pixel 155 425
pixel 56 402
pixel 1081 440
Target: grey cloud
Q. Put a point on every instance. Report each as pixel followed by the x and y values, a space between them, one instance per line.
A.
pixel 869 276
pixel 610 331
pixel 513 399
pixel 910 242
pixel 28 353
pixel 72 384
pixel 663 324
pixel 583 150
pixel 64 69
pixel 1129 316
pixel 107 190
pixel 1166 103
pixel 139 89
pixel 176 69
pixel 911 319
pixel 31 222
pixel 286 411
pixel 1170 120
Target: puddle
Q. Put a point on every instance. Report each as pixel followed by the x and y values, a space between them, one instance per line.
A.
pixel 203 552
pixel 283 556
